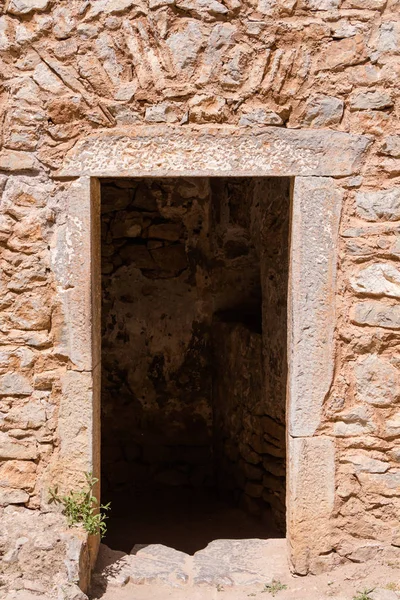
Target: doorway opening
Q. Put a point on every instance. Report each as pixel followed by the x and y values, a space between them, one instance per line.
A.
pixel 194 365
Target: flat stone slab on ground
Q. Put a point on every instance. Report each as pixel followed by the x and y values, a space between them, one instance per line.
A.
pixel 158 563
pixel 239 562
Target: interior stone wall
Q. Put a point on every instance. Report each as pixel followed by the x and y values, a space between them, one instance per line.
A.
pixel 156 372
pixel 185 368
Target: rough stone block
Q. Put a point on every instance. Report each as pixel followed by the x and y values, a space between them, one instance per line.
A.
pixel 391 146
pixel 75 258
pixel 364 463
pixel 23 7
pixel 12 496
pixel 379 279
pixel 18 161
pixel 376 314
pixel 312 289
pixel 157 151
pixel 311 495
pixel 14 384
pixel 238 562
pixel 371 100
pixel 18 474
pixel 17 449
pixel 377 381
pixel 323 111
pixel 382 205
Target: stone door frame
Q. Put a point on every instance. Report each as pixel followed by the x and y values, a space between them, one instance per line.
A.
pixel 313 159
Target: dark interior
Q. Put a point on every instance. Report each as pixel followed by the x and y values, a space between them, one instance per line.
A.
pixel 194 311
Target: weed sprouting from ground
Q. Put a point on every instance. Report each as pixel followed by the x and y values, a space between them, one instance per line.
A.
pixel 81 507
pixel 274 587
pixel 365 595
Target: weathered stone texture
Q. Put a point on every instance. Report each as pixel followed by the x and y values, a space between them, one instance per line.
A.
pixel 316 201
pixel 76 78
pixel 311 500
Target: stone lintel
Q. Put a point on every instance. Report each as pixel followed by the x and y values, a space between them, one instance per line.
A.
pixel 316 210
pixel 161 151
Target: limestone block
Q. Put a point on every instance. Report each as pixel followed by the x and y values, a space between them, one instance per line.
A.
pixel 17 161
pixel 382 205
pixel 312 288
pixel 14 384
pixel 383 594
pixel 75 424
pixel 385 484
pixel 200 7
pixel 5 34
pixel 159 564
pixel 342 429
pixel 343 53
pixel 161 150
pixel 323 111
pixel 364 463
pixel 260 116
pixel 18 474
pixel 29 415
pixel 377 381
pixel 389 37
pixel 166 112
pixel 376 314
pixel 321 4
pixel 46 80
pixel 185 45
pixel 31 311
pixel 370 100
pixel 17 449
pixel 12 496
pixel 239 562
pixel 392 427
pixel 310 502
pixel 75 258
pixel 365 4
pixel 23 7
pixel 391 146
pixel 379 279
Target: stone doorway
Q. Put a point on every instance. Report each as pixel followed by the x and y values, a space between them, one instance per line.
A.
pixel 194 359
pixel 315 162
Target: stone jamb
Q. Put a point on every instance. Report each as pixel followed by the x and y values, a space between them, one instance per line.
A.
pixel 316 206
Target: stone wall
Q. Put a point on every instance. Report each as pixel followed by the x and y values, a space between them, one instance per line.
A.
pixel 92 67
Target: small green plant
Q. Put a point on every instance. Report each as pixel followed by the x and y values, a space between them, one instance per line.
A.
pixel 274 587
pixel 81 507
pixel 365 595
